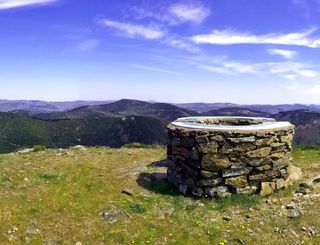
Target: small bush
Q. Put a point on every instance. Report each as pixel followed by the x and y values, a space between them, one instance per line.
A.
pixel 38 148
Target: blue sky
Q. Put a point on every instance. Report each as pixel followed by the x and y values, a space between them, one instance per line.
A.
pixel 243 51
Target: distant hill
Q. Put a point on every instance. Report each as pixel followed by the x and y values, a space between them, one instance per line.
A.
pixel 205 107
pixel 307 125
pixel 37 106
pixel 236 111
pixel 113 124
pixel 17 131
pixel 126 121
pixel 271 109
pixel 164 112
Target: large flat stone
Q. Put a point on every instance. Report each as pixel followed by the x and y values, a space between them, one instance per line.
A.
pixel 240 181
pixel 215 162
pixel 243 139
pixel 230 172
pixel 259 153
pixel 265 175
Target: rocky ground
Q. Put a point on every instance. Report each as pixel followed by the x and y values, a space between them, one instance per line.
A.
pixel 120 196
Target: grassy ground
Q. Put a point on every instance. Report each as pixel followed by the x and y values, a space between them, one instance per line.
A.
pixel 58 197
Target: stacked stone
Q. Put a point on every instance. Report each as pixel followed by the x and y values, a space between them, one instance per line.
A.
pixel 205 162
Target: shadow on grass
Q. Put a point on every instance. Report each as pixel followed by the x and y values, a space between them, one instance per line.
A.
pixel 157 182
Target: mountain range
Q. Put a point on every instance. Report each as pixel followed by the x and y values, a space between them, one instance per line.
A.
pixel 125 121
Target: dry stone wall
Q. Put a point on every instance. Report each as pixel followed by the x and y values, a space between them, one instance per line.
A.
pixel 229 155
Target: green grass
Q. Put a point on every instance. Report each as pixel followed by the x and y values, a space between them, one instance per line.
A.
pixel 242 200
pixel 65 193
pixel 138 145
pixel 38 148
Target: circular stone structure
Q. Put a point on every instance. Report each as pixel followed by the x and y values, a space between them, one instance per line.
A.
pixel 217 156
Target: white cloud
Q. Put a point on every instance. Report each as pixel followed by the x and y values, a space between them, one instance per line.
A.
pixel 290 76
pixel 288 70
pixel 228 37
pixel 182 44
pixel 231 67
pixel 192 12
pixel 88 45
pixel 134 30
pixel 308 73
pixel 8 4
pixel 288 54
pixel 148 68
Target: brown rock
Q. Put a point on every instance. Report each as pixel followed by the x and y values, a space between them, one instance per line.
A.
pixel 267 188
pixel 280 184
pixel 242 139
pixel 230 172
pixel 265 141
pixel 259 153
pixel 226 148
pixel 207 174
pixel 245 147
pixel 211 147
pixel 278 155
pixel 260 162
pixel 187 142
pixel 240 181
pixel 210 182
pixel 266 175
pixel 215 162
pixel 202 139
pixel 287 139
pixel 263 168
pixel 248 190
pixel 217 138
pixel 279 149
pixel 277 144
pixel 280 164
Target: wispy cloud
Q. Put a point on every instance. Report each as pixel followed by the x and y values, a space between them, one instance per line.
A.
pixel 181 44
pixel 173 14
pixel 288 54
pixel 288 70
pixel 229 68
pixel 9 4
pixel 88 45
pixel 229 37
pixel 149 68
pixel 194 12
pixel 134 30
